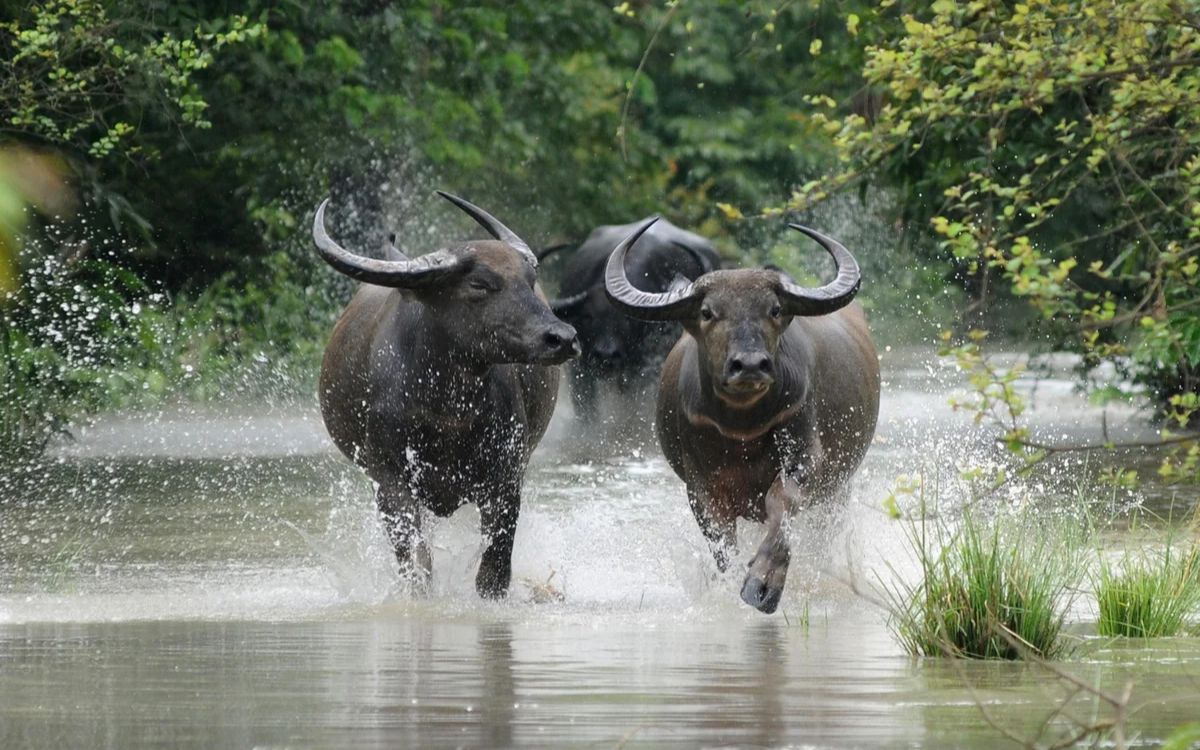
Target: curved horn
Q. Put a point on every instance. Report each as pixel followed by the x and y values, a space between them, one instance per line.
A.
pixel 493 226
pixel 825 299
pixel 560 305
pixel 402 274
pixel 672 305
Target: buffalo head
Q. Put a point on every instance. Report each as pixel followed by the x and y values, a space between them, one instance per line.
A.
pixel 484 293
pixel 737 317
pixel 615 345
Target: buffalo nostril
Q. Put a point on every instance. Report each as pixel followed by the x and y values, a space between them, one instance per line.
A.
pixel 559 337
pixel 752 365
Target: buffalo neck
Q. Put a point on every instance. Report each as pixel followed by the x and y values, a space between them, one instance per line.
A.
pixel 782 400
pixel 434 364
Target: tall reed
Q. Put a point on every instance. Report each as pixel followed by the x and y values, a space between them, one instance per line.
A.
pixel 1148 594
pixel 996 590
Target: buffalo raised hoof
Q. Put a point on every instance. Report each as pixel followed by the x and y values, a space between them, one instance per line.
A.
pixel 759 595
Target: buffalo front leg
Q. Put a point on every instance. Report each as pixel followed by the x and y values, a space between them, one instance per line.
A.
pixel 583 394
pixel 763 586
pixel 402 518
pixel 498 522
pixel 717 529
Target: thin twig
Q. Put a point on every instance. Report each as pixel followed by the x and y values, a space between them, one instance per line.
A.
pixel 638 73
pixel 1088 447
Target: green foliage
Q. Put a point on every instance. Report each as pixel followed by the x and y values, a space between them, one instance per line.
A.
pixel 76 341
pixel 1148 594
pixel 261 337
pixel 995 401
pixel 199 141
pixel 77 335
pixel 1053 145
pixel 75 76
pixel 207 137
pixel 993 591
pixel 1184 737
pixel 103 85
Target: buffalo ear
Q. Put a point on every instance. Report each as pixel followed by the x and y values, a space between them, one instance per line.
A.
pixel 701 259
pixel 546 252
pixel 390 251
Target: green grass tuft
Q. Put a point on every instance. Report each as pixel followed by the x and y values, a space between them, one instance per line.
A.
pixel 987 592
pixel 1148 595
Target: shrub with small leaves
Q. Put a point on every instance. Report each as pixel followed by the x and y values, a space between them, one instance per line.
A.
pixel 1052 147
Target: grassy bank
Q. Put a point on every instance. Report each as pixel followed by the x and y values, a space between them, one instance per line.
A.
pixel 1000 587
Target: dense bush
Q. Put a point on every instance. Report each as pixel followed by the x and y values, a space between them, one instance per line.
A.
pixel 1054 149
pixel 197 141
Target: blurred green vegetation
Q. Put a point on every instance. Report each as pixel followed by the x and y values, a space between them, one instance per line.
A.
pixel 1053 148
pixel 196 137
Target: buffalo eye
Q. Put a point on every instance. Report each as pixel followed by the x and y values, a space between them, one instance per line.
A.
pixel 480 285
pixel 776 312
pixel 706 313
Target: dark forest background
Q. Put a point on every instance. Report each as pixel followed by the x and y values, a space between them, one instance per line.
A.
pixel 1029 169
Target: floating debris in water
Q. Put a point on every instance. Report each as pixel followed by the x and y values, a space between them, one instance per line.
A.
pixel 543 592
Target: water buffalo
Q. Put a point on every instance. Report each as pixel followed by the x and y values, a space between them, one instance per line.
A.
pixel 439 380
pixel 767 402
pixel 617 349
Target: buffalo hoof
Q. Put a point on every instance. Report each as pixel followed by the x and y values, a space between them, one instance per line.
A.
pixel 757 594
pixel 491 586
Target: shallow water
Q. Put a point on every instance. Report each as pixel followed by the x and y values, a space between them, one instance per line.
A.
pixel 222 581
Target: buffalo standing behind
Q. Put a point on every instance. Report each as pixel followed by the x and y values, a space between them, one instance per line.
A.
pixel 618 351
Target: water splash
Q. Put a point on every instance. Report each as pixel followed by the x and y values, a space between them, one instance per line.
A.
pixel 256 517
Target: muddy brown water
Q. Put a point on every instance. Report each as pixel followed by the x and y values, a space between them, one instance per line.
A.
pixel 220 580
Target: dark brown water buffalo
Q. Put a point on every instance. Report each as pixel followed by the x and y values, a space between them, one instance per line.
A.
pixel 617 349
pixel 768 401
pixel 439 380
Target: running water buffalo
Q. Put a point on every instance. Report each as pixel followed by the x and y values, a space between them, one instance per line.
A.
pixel 439 380
pixel 767 403
pixel 618 349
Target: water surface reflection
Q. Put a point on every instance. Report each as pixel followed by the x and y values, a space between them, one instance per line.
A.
pixel 393 680
pixel 244 596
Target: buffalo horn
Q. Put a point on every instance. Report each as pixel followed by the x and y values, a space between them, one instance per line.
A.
pixel 561 304
pixel 493 226
pixel 833 296
pixel 403 274
pixel 678 303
